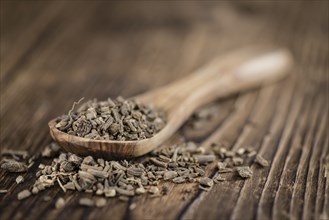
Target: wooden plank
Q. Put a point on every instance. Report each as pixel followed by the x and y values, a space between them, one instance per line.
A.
pixel 313 170
pixel 225 194
pixel 247 203
pixel 21 29
pixel 101 49
pixel 284 193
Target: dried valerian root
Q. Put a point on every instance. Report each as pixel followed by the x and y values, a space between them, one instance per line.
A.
pixel 23 194
pixel 178 164
pixel 132 206
pixel 13 166
pixel 182 163
pixel 218 178
pixel 16 161
pixel 100 202
pixel 86 202
pixel 60 203
pixel 118 119
pixel 261 161
pixel 244 172
pixel 19 179
pixel 236 161
pixel 206 183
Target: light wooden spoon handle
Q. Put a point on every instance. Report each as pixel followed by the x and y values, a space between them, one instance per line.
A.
pixel 236 72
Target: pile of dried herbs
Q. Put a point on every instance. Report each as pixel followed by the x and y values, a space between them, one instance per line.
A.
pixel 182 163
pixel 118 119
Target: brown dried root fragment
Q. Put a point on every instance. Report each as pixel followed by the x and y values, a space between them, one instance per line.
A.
pixel 226 170
pixel 67 121
pixel 168 175
pixel 69 186
pixel 204 188
pixel 244 172
pixel 237 161
pixel 13 166
pixel 154 190
pixel 61 185
pixel 206 182
pixel 60 203
pixel 202 159
pixel 86 202
pixel 240 151
pixel 179 179
pixel 261 161
pixel 109 192
pixel 19 179
pixel 124 192
pixel 180 163
pixel 124 198
pixel 218 178
pixel 140 190
pixel 100 202
pixel 23 194
pixel 250 152
pixel 158 162
pixel 132 206
pixel 221 165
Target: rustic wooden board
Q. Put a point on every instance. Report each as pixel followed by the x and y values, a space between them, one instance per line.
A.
pixel 53 53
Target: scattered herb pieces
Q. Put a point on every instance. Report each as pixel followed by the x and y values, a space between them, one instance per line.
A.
pixel 86 202
pixel 154 190
pixel 219 178
pixel 23 194
pixel 182 163
pixel 206 182
pixel 100 202
pixel 261 161
pixel 244 172
pixel 60 203
pixel 124 198
pixel 3 190
pixel 121 178
pixel 132 206
pixel 13 166
pixel 19 179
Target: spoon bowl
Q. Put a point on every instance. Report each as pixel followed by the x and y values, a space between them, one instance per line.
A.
pixel 234 72
pixel 102 148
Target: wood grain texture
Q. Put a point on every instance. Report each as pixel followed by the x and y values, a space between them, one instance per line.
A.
pixel 54 53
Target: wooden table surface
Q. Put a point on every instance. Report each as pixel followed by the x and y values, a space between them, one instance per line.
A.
pixel 55 52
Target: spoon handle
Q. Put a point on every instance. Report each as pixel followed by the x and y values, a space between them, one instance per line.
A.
pixel 236 72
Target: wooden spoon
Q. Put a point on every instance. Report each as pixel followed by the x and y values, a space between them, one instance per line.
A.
pixel 235 72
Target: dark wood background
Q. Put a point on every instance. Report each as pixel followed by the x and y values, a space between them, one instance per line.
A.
pixel 55 52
